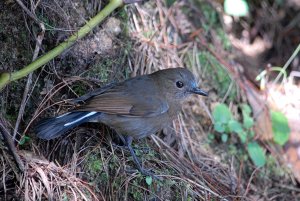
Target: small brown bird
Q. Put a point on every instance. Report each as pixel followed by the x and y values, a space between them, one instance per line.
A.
pixel 134 108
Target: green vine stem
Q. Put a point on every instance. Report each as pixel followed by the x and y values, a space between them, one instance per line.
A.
pixel 6 78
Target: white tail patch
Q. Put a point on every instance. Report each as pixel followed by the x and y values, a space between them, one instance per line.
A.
pixel 62 115
pixel 81 118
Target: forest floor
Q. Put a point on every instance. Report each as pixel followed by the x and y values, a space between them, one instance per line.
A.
pixel 193 159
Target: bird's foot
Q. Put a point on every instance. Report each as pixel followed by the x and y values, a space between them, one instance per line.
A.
pixel 149 173
pixel 144 150
pixel 145 172
pixel 120 146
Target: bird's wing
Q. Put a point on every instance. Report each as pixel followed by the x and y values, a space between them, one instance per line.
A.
pixel 92 94
pixel 120 101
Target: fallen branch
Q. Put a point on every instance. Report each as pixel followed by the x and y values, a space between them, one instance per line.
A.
pixel 39 40
pixel 10 145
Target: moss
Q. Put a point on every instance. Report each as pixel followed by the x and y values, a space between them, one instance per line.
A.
pixel 102 69
pixel 49 24
pixel 79 89
pixel 223 38
pixel 220 77
pixel 122 15
pixel 94 166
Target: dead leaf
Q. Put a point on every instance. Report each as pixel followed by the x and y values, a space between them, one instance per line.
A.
pixel 261 114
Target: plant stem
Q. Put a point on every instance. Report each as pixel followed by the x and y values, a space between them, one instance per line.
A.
pixel 5 78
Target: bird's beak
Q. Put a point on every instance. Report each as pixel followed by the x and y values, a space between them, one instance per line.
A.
pixel 198 91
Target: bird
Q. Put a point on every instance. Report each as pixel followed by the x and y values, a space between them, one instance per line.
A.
pixel 134 108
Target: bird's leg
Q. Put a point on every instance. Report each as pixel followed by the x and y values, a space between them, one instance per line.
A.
pixel 124 146
pixel 128 141
pixel 118 144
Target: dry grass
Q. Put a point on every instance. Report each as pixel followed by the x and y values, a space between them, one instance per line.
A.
pixel 43 179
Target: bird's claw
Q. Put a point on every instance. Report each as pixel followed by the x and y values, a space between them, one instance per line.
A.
pixel 145 172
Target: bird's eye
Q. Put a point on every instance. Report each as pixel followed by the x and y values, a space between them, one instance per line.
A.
pixel 179 84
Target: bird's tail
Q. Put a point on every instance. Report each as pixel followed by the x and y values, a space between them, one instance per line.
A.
pixel 54 127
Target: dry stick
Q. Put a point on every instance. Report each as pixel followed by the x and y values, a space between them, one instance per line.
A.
pixel 28 12
pixel 3 178
pixel 10 144
pixel 249 182
pixel 35 55
pixel 29 80
pixel 6 78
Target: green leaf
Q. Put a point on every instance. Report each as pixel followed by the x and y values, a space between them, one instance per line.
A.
pixel 24 139
pixel 246 109
pixel 170 2
pixel 280 127
pixel 226 129
pixel 257 154
pixel 236 7
pixel 211 136
pixel 251 133
pixel 219 127
pixel 224 137
pixel 243 136
pixel 235 126
pixel 96 165
pixel 149 180
pixel 222 114
pixel 248 121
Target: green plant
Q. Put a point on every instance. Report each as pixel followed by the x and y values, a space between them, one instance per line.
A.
pixel 149 180
pixel 223 38
pixel 79 89
pixel 219 76
pixel 280 127
pixel 263 76
pixel 24 139
pixel 226 124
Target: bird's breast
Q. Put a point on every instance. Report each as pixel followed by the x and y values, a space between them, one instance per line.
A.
pixel 137 127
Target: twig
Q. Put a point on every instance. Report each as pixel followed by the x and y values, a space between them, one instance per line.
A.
pixel 10 144
pixel 249 182
pixel 29 80
pixel 28 12
pixel 132 1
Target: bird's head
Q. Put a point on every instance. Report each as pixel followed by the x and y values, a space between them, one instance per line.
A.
pixel 177 83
